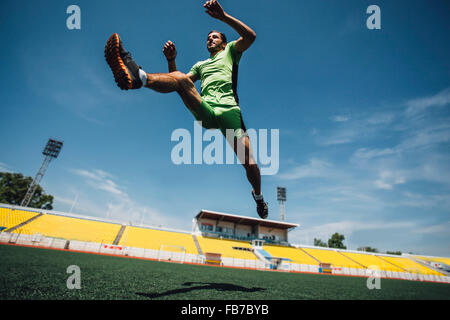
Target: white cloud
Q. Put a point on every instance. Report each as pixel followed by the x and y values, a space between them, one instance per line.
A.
pixel 365 153
pixel 418 105
pixel 416 141
pixel 381 118
pixel 442 228
pixel 425 137
pixel 416 200
pixel 5 168
pixel 86 174
pixel 421 133
pixel 349 129
pixel 341 136
pixel 114 204
pixel 101 180
pixel 388 179
pixel 63 200
pixel 316 168
pixel 136 214
pixel 340 118
pixel 349 193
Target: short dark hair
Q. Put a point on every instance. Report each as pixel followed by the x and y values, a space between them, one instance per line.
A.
pixel 222 35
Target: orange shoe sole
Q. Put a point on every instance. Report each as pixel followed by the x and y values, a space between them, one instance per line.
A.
pixel 115 62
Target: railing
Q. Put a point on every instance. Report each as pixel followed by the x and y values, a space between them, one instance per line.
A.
pixel 214 234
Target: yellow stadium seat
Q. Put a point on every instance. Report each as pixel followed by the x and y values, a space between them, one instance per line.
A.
pixel 69 228
pixel 10 218
pixel 294 254
pixel 225 247
pixel 369 260
pixel 410 266
pixel 335 258
pixel 153 239
pixel 434 259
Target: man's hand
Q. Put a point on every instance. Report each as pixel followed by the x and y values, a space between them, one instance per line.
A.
pixel 169 50
pixel 214 9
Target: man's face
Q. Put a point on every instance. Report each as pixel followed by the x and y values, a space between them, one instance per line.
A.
pixel 214 42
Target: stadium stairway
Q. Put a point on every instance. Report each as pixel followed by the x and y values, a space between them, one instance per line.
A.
pixel 262 255
pixel 23 223
pixel 199 249
pixel 426 265
pixel 119 235
pixel 391 263
pixel 360 264
pixel 301 249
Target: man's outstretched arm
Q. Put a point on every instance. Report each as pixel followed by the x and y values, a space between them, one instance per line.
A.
pixel 170 52
pixel 215 10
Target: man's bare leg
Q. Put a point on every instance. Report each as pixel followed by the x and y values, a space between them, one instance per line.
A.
pixel 128 75
pixel 243 145
pixel 175 82
pixel 243 150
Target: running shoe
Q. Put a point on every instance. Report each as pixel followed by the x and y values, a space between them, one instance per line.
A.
pixel 261 207
pixel 125 70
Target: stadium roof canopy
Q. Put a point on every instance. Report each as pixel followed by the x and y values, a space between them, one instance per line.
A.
pixel 206 214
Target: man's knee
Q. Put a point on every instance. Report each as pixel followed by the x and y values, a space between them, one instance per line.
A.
pixel 183 81
pixel 250 165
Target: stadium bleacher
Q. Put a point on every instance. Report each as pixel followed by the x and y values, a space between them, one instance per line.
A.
pixel 410 266
pixel 71 228
pixel 10 218
pixel 370 260
pixel 21 221
pixel 333 257
pixel 225 247
pixel 295 255
pixel 434 259
pixel 147 238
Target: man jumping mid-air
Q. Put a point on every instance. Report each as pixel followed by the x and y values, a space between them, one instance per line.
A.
pixel 217 107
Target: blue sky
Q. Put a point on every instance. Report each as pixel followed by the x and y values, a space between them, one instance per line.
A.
pixel 363 115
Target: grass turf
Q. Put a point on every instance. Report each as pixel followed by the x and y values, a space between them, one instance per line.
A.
pixel 34 273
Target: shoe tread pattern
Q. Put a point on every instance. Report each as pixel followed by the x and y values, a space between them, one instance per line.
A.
pixel 115 62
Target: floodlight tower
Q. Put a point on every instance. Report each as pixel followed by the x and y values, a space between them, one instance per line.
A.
pixel 281 197
pixel 50 152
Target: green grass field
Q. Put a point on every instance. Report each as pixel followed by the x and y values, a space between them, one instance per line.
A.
pixel 33 273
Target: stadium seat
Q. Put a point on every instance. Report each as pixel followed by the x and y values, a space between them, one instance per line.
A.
pixel 147 238
pixel 294 254
pixel 434 259
pixel 10 218
pixel 70 228
pixel 225 247
pixel 370 260
pixel 335 258
pixel 410 266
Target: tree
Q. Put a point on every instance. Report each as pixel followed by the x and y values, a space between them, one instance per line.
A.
pixel 398 253
pixel 14 186
pixel 367 249
pixel 319 243
pixel 336 241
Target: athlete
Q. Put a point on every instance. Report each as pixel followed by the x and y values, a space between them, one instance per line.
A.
pixel 217 106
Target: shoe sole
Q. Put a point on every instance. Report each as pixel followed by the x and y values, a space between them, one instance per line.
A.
pixel 266 213
pixel 115 62
pixel 263 217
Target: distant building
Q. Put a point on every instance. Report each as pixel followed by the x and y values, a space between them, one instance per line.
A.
pixel 229 226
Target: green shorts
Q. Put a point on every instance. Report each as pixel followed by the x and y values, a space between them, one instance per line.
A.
pixel 222 118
